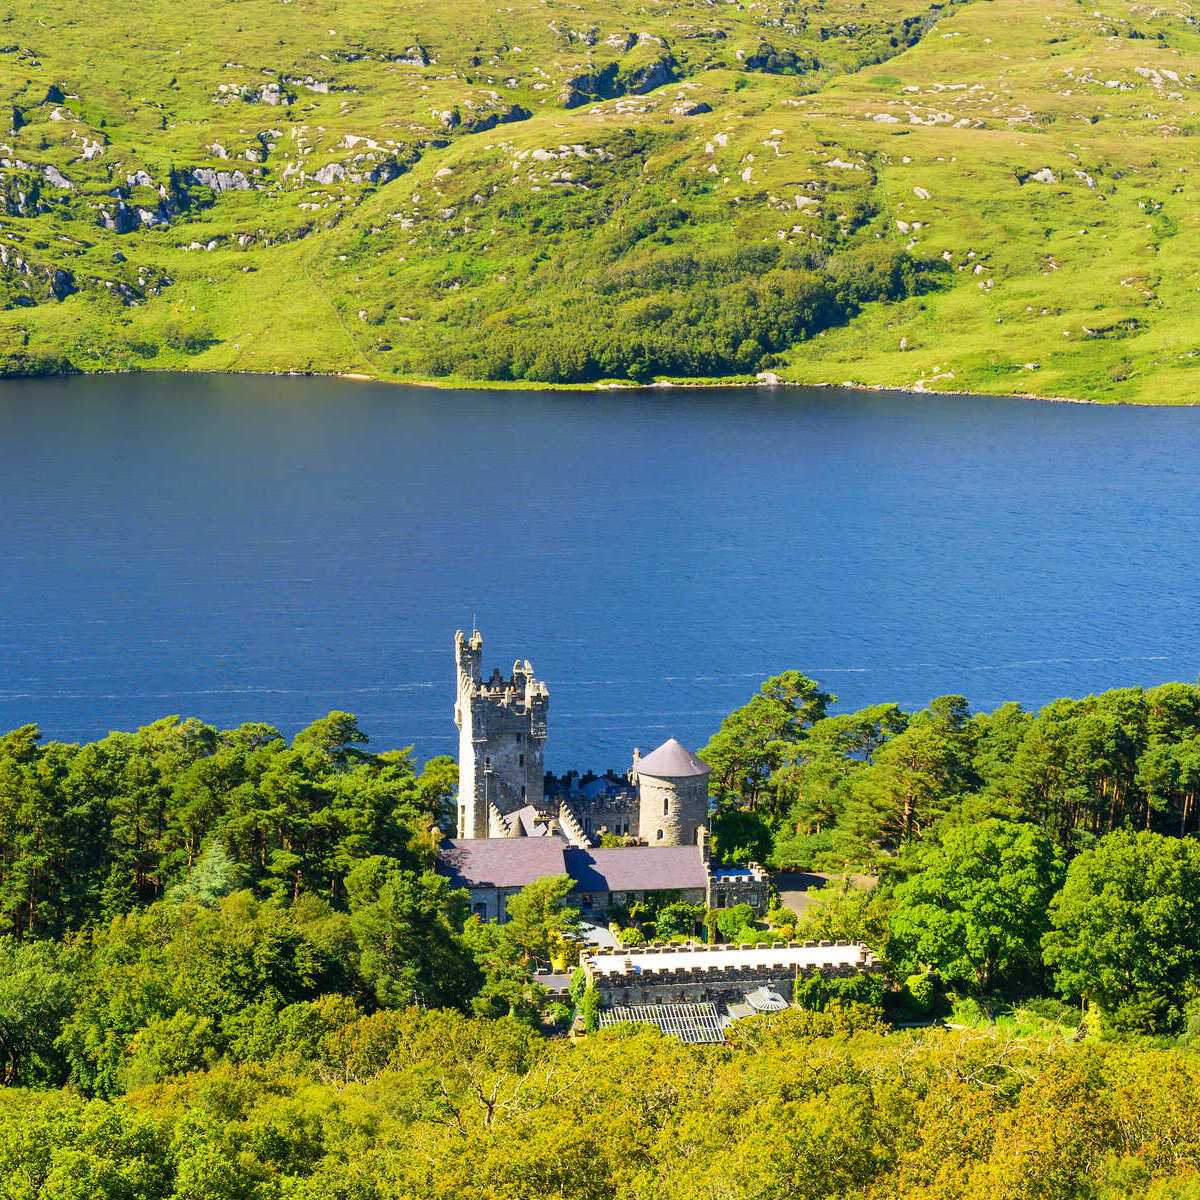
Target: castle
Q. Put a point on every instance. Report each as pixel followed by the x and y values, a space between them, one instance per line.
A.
pixel 501 743
pixel 510 832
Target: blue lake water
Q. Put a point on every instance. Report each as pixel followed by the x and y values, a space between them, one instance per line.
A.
pixel 255 548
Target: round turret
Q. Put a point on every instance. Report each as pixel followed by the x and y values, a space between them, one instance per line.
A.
pixel 672 794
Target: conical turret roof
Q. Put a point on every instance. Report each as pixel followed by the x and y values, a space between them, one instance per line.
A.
pixel 672 760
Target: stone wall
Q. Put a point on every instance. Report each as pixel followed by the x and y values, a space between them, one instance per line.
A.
pixel 609 814
pixel 491 903
pixel 728 886
pixel 719 985
pixel 597 905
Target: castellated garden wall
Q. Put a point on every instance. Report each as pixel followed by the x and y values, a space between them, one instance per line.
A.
pixel 720 984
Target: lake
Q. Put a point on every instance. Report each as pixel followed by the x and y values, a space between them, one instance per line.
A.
pixel 245 548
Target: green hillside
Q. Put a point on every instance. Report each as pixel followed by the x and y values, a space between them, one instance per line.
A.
pixel 994 195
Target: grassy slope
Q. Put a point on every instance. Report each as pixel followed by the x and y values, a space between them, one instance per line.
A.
pixel 1081 286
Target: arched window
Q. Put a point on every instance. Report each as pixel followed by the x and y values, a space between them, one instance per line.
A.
pixel 658 836
pixel 666 806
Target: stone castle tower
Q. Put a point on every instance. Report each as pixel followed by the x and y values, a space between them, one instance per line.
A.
pixel 501 740
pixel 672 788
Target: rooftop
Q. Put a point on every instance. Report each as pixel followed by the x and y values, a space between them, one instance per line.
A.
pixel 672 760
pixel 637 868
pixel 691 1023
pixel 515 861
pixel 502 862
pixel 765 999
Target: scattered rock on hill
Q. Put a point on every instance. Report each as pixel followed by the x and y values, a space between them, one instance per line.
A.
pixel 269 93
pixel 622 43
pixel 221 181
pixel 39 281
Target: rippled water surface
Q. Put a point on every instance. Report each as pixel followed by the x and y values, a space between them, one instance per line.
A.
pixel 243 548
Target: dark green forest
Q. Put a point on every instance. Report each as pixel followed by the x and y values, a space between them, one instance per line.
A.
pixel 1020 854
pixel 228 969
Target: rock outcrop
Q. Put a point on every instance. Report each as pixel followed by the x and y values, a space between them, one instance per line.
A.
pixel 221 181
pixel 610 82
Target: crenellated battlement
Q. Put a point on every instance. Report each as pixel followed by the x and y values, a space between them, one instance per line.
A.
pixel 696 972
pixel 520 691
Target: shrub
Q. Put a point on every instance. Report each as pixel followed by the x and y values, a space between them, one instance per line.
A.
pixel 731 921
pixel 589 1009
pixel 920 993
pixel 816 993
pixel 188 339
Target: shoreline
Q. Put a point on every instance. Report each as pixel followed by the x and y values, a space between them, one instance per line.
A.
pixel 608 386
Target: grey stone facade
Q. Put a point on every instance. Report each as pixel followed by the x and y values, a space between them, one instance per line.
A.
pixel 491 903
pixel 728 886
pixel 501 742
pixel 615 813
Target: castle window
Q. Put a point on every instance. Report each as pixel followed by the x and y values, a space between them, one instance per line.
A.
pixel 658 836
pixel 487 760
pixel 666 806
pixel 520 760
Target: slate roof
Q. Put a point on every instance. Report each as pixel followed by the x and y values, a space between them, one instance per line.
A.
pixel 501 862
pixel 636 868
pixel 514 862
pixel 602 787
pixel 672 760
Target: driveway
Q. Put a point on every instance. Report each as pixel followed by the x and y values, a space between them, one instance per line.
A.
pixel 798 889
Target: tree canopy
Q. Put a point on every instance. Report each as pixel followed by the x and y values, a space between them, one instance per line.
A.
pixel 977 905
pixel 1126 929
